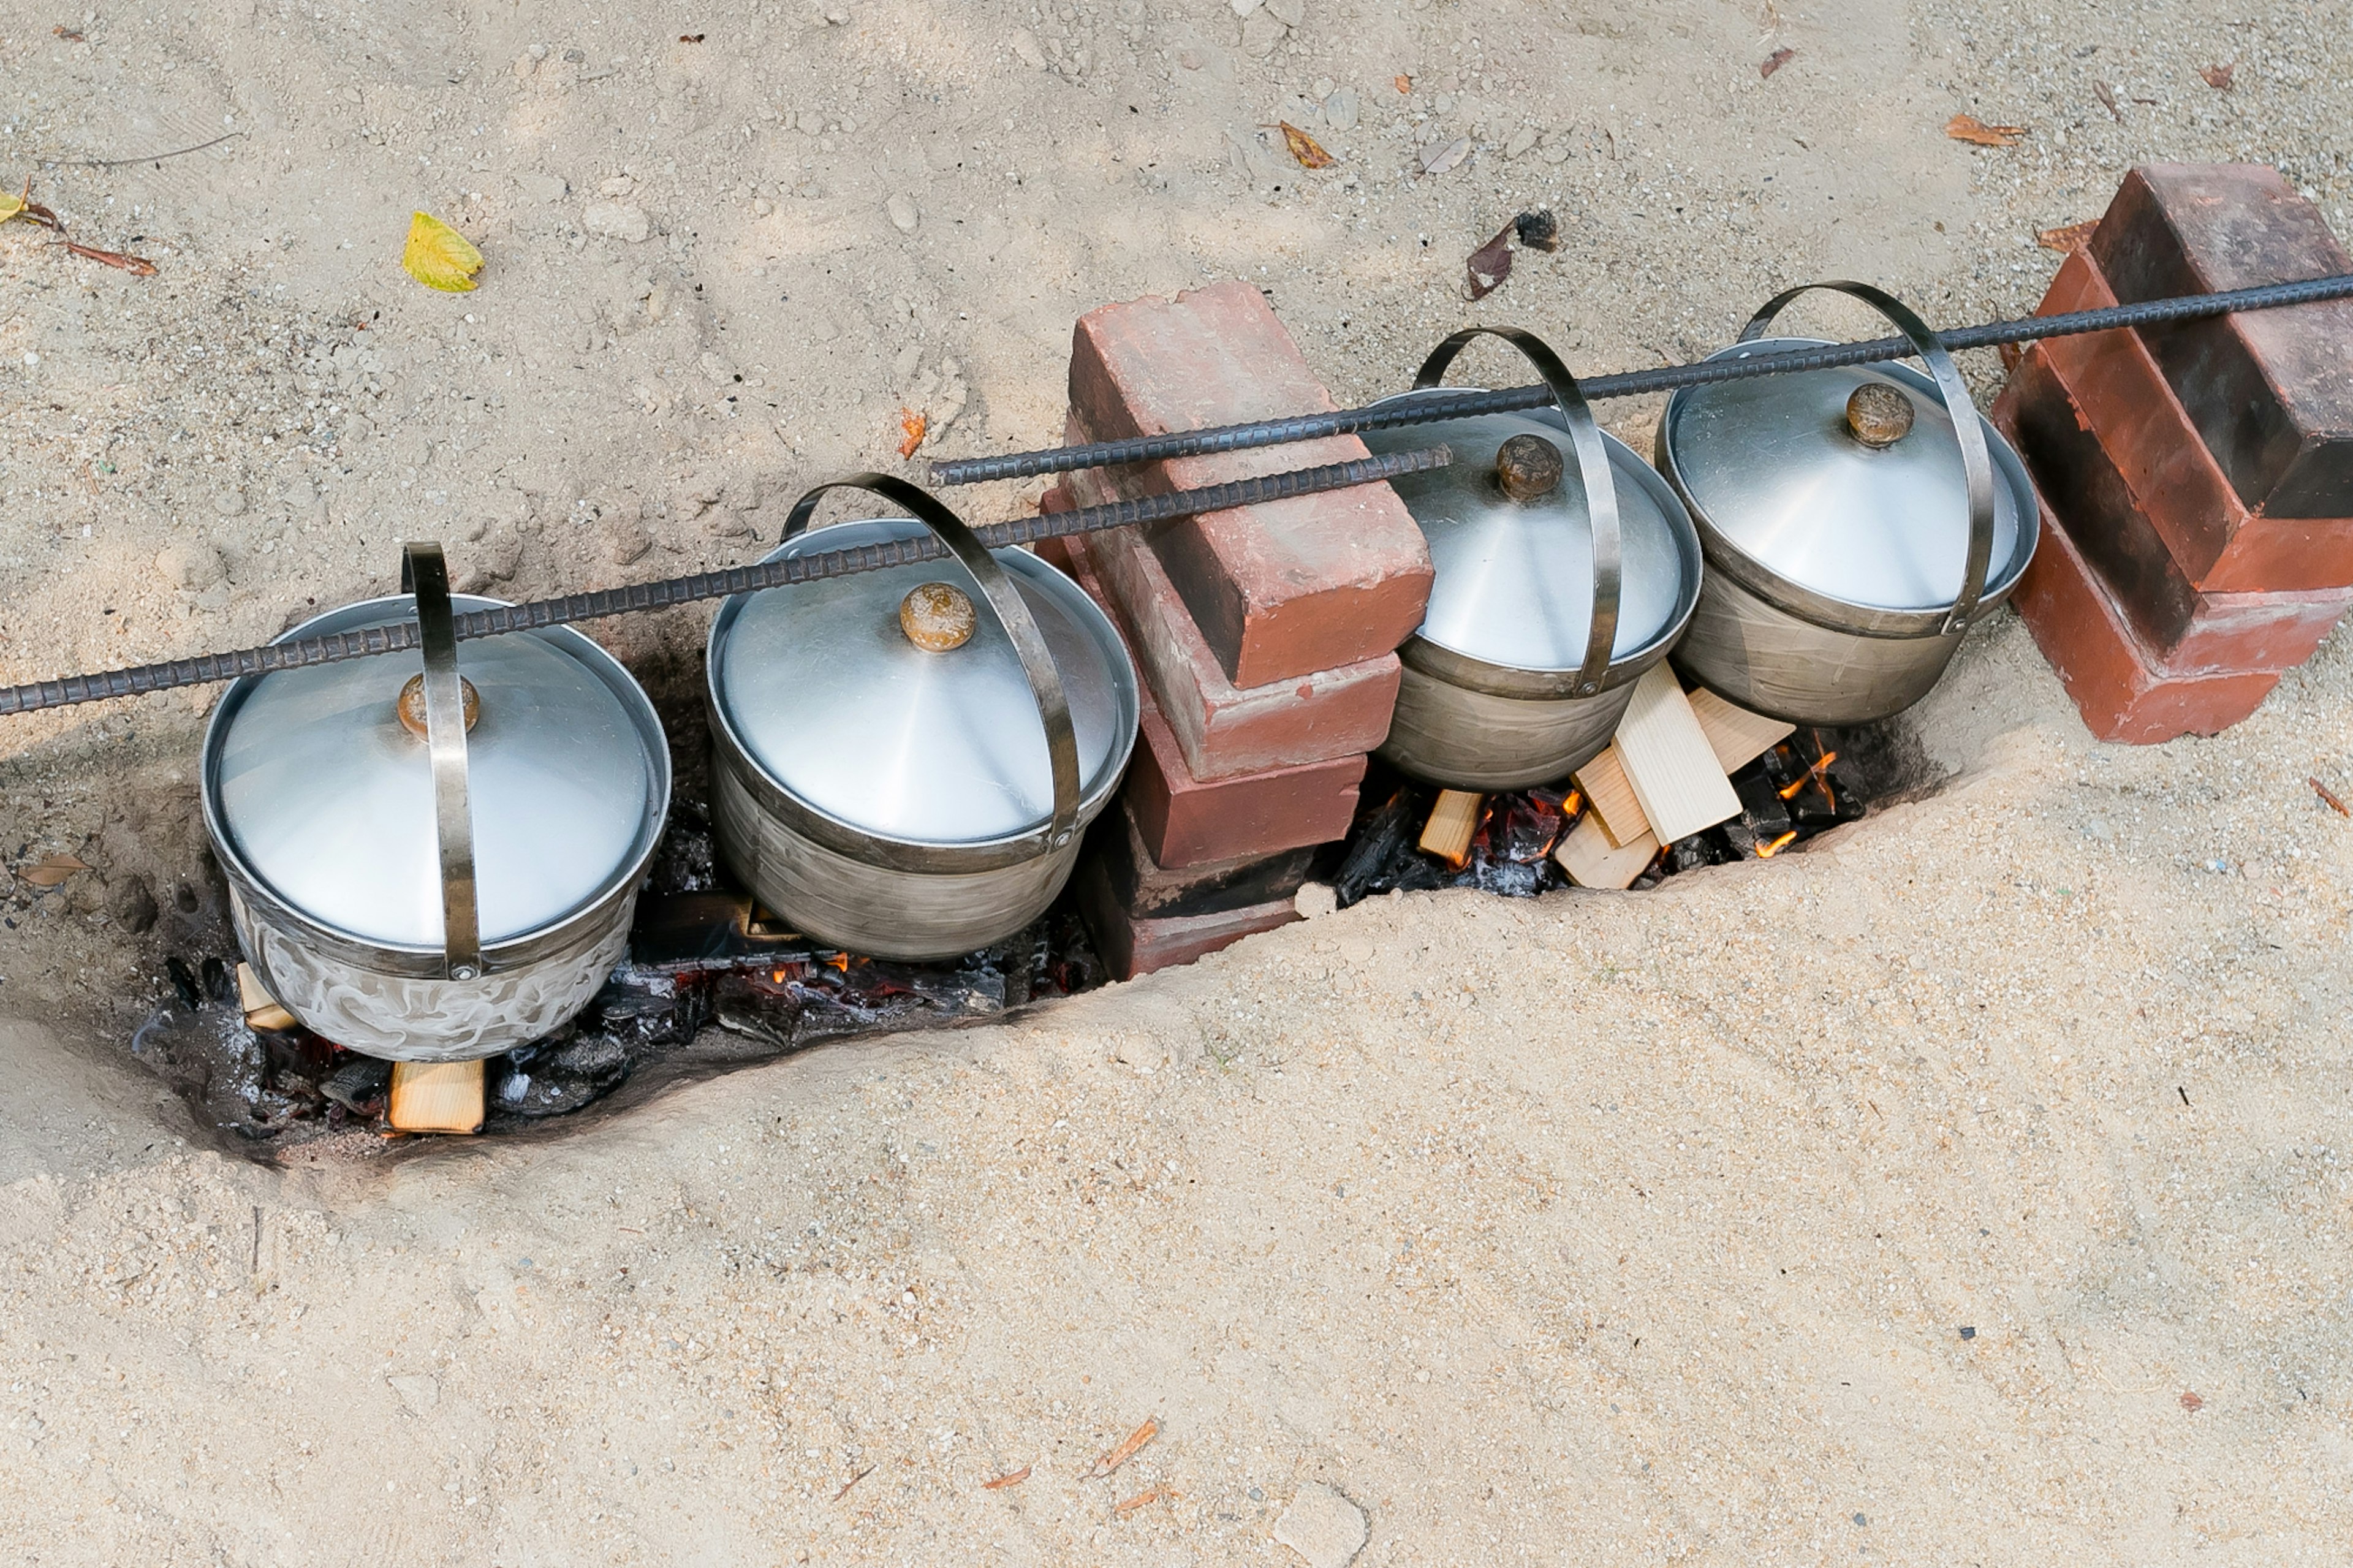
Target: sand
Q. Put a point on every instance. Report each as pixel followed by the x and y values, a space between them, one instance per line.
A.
pixel 1970 1188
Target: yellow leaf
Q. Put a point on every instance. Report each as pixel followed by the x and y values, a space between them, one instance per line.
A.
pixel 1304 148
pixel 10 206
pixel 440 257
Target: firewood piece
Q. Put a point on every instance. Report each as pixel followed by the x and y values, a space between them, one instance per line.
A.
pixel 437 1097
pixel 1738 736
pixel 1611 795
pixel 1453 821
pixel 262 1011
pixel 1681 786
pixel 1592 861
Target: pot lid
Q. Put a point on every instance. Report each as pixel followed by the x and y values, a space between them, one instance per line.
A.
pixel 1513 580
pixel 1775 467
pixel 328 798
pixel 901 710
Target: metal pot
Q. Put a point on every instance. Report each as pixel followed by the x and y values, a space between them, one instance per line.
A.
pixel 897 769
pixel 1553 589
pixel 1856 521
pixel 408 889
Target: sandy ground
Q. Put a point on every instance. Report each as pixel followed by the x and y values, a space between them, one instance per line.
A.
pixel 1970 1189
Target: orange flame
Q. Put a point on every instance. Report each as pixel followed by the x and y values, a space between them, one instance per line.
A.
pixel 1767 851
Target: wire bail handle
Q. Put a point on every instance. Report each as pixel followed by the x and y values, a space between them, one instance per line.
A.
pixel 1592 471
pixel 1977 463
pixel 426 574
pixel 1012 612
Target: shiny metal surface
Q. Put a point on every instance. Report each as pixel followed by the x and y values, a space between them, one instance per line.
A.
pixel 1535 631
pixel 1513 584
pixel 425 574
pixel 870 739
pixel 1465 738
pixel 318 794
pixel 1863 633
pixel 1752 653
pixel 1771 468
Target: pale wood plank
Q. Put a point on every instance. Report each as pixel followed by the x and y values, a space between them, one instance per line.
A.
pixel 1667 758
pixel 1453 821
pixel 1612 795
pixel 1738 736
pixel 262 1009
pixel 1585 853
pixel 437 1097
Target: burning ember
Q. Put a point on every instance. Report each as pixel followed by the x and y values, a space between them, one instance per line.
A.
pixel 700 953
pixel 1796 790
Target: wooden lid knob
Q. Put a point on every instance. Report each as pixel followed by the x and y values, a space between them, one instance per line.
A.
pixel 936 617
pixel 1528 467
pixel 411 705
pixel 1878 414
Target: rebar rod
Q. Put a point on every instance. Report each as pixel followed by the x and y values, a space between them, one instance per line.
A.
pixel 1421 408
pixel 398 636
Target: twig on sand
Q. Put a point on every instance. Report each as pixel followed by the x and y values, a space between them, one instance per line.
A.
pixel 126 162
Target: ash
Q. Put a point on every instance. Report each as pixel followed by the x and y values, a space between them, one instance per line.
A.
pixel 710 982
pixel 1804 786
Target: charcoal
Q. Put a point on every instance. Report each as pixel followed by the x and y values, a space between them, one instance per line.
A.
pixel 687 861
pixel 555 1080
pixel 1699 849
pixel 360 1084
pixel 1523 826
pixel 1511 879
pixel 219 978
pixel 1381 846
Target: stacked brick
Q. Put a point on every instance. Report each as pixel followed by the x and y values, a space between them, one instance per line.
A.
pixel 2197 478
pixel 1265 636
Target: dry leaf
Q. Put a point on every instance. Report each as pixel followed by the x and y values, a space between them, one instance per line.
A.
pixel 2072 237
pixel 1775 61
pixel 1014 1478
pixel 440 257
pixel 690 37
pixel 1149 1494
pixel 1125 1451
pixel 1538 230
pixel 1304 147
pixel 1440 156
pixel 1969 128
pixel 911 425
pixel 1402 82
pixel 2219 77
pixel 68 35
pixel 2192 1402
pixel 50 872
pixel 1490 264
pixel 138 266
pixel 2108 96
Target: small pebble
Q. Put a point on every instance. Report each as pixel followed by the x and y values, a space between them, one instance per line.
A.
pixel 904 215
pixel 616 220
pixel 1323 1527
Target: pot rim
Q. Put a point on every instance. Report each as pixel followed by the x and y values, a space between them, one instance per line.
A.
pixel 917 855
pixel 563 937
pixel 1822 609
pixel 1458 668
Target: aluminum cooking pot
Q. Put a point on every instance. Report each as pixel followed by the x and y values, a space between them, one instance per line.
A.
pixel 1856 521
pixel 1555 585
pixel 905 760
pixel 409 889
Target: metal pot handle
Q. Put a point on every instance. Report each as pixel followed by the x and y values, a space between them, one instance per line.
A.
pixel 1592 471
pixel 1977 464
pixel 425 574
pixel 1012 614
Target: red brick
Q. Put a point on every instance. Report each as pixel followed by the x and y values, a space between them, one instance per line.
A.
pixel 2216 542
pixel 1139 944
pixel 2268 390
pixel 1187 822
pixel 1144 887
pixel 2108 525
pixel 2108 674
pixel 1282 590
pixel 1225 730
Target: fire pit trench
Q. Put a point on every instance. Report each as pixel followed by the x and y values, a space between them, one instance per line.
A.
pixel 710 984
